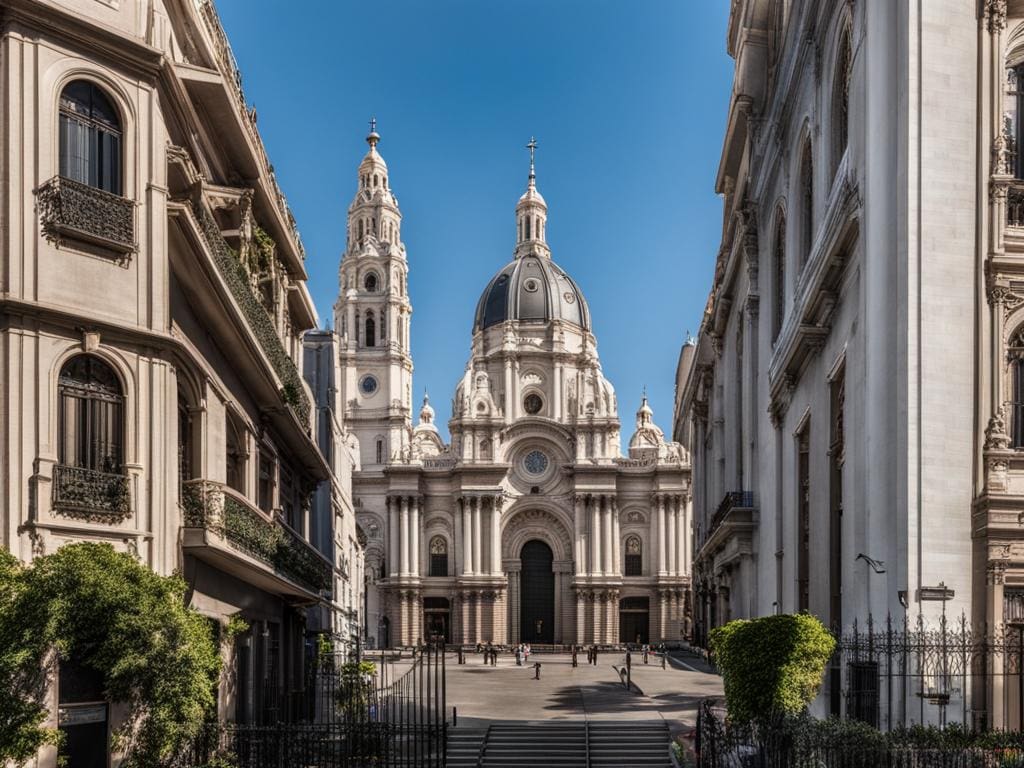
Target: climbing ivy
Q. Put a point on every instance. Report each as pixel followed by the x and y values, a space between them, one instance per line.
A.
pixel 111 614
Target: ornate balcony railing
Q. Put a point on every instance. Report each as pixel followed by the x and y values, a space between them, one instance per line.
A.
pixel 231 270
pixel 98 496
pixel 732 500
pixel 219 509
pixel 72 210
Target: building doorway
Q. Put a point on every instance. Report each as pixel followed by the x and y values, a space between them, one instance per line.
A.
pixel 537 611
pixel 634 620
pixel 82 716
pixel 437 619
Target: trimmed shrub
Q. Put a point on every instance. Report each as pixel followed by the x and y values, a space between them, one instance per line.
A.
pixel 771 666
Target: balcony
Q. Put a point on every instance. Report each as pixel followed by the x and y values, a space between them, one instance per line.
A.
pixel 735 515
pixel 233 274
pixel 1015 204
pixel 70 210
pixel 97 496
pixel 224 528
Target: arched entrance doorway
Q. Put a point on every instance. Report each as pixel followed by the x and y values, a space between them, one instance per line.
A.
pixel 634 620
pixel 537 611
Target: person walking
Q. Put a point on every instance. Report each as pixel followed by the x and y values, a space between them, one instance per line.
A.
pixel 519 655
pixel 526 650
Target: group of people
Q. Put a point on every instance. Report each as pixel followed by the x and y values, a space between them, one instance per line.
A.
pixel 522 654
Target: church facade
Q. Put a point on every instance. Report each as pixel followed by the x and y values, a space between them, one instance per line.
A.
pixel 530 525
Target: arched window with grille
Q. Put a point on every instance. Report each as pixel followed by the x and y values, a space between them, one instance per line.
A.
pixel 370 283
pixel 634 556
pixel 90 137
pixel 806 203
pixel 439 556
pixel 779 269
pixel 841 95
pixel 91 415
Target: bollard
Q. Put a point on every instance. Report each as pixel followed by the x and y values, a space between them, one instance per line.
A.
pixel 455 717
pixel 664 656
pixel 536 671
pixel 574 661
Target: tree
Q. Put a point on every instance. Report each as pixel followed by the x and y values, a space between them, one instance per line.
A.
pixel 111 614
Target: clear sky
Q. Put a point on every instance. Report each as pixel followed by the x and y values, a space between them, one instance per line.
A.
pixel 627 99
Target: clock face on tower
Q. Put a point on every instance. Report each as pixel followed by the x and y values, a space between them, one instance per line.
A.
pixel 368 385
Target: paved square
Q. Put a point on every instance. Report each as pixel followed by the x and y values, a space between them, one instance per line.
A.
pixel 485 694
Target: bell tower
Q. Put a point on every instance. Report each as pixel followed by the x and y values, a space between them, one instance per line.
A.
pixel 371 317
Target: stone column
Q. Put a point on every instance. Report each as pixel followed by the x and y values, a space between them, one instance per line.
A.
pixel 459 555
pixel 416 504
pixel 496 535
pixel 594 562
pixel 404 535
pixel 606 546
pixel 394 542
pixel 477 535
pixel 659 503
pixel 557 629
pixel 509 395
pixel 468 565
pixel 581 617
pixel 556 395
pixel 687 521
pixel 616 543
pixel 579 525
pixel 673 546
pixel 680 535
pixel 513 605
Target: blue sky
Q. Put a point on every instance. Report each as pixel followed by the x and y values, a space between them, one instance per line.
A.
pixel 627 101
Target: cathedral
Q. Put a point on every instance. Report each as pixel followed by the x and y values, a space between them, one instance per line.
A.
pixel 530 525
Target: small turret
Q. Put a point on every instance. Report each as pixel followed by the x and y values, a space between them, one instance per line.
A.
pixel 532 216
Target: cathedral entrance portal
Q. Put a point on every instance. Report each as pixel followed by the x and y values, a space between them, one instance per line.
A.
pixel 437 619
pixel 537 612
pixel 634 620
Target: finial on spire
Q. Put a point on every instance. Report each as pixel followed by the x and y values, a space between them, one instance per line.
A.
pixel 532 146
pixel 374 137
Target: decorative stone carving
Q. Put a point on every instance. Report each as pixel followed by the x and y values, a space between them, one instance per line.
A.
pixel 995 15
pixel 998 474
pixel 996 437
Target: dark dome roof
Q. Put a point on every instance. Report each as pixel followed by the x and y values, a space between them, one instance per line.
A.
pixel 531 288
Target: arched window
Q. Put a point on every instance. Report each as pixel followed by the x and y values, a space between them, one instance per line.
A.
pixel 634 556
pixel 370 282
pixel 370 339
pixel 185 443
pixel 841 95
pixel 90 137
pixel 806 203
pixel 91 416
pixel 779 267
pixel 438 556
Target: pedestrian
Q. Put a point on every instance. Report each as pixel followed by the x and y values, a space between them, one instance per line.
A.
pixel 647 650
pixel 574 662
pixel 526 651
pixel 519 655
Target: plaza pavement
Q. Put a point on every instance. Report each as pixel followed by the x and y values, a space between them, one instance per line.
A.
pixel 484 695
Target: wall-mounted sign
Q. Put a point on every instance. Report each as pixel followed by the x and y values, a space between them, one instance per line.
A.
pixel 89 713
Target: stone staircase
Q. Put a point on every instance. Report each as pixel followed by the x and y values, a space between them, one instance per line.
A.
pixel 560 744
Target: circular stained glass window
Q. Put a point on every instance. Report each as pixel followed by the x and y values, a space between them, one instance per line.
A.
pixel 536 462
pixel 532 404
pixel 368 385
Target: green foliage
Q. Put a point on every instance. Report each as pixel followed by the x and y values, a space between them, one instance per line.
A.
pixel 111 614
pixel 355 688
pixel 771 666
pixel 236 626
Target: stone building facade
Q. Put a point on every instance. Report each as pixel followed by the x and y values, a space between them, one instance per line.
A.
pixel 152 303
pixel 852 400
pixel 530 526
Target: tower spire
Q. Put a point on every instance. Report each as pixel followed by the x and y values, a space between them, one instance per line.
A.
pixel 531 214
pixel 373 137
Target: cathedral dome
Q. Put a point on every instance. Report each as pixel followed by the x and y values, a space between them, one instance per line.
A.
pixel 531 289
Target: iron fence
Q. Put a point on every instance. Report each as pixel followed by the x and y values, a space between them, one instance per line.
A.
pixel 348 718
pixel 721 744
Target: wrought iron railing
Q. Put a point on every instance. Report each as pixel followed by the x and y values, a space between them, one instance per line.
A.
pixel 234 275
pixel 70 209
pixel 217 508
pixel 732 500
pixel 103 496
